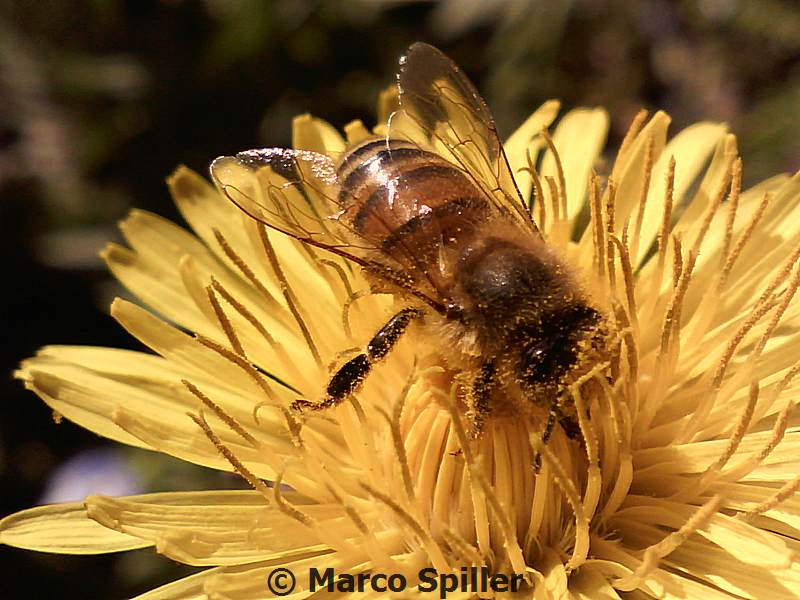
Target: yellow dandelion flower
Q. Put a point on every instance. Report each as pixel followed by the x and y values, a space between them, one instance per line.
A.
pixel 682 485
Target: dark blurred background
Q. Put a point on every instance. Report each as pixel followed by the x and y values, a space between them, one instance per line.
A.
pixel 101 99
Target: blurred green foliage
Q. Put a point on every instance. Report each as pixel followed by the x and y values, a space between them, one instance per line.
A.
pixel 102 98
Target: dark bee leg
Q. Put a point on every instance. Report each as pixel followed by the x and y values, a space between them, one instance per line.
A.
pixel 481 395
pixel 352 374
pixel 570 426
pixel 552 416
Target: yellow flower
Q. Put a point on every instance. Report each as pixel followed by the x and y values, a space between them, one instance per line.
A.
pixel 684 486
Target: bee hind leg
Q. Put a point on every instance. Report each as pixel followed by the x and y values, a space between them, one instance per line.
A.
pixel 352 374
pixel 571 427
pixel 480 396
pixel 553 415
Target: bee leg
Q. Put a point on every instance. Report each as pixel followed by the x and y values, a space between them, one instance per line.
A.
pixel 552 416
pixel 351 375
pixel 481 395
pixel 570 426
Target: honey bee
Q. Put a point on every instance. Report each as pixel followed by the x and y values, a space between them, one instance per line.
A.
pixel 431 213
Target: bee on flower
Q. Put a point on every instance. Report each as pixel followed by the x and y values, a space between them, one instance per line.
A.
pixel 424 348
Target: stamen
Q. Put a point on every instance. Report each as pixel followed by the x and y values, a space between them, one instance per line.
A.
pixel 653 554
pixel 288 293
pixel 786 298
pixel 632 354
pixel 711 302
pixel 232 423
pixel 240 362
pixel 627 274
pixel 597 222
pixel 669 348
pixel 538 192
pixel 581 548
pixel 778 431
pixel 348 303
pixel 679 296
pixel 763 305
pixel 226 453
pixel 594 479
pixel 666 216
pixel 348 289
pixel 648 172
pixel 379 556
pixel 706 404
pixel 733 206
pixel 777 391
pixel 766 296
pixel 438 561
pixel 788 489
pixel 244 268
pixel 397 436
pixel 670 328
pixel 538 507
pixel 286 508
pixel 507 529
pixel 293 425
pixel 711 210
pixel 562 181
pixel 752 462
pixel 634 129
pixel 620 419
pixel 554 200
pixel 324 533
pixel 677 259
pixel 468 553
pixel 610 226
pixel 351 512
pixel 258 326
pixel 742 425
pixel 743 238
pixel 230 332
pixel 696 486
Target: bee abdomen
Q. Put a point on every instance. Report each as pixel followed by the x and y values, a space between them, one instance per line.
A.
pixel 391 189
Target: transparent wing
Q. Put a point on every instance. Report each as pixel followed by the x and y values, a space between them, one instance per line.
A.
pixel 297 192
pixel 293 191
pixel 441 102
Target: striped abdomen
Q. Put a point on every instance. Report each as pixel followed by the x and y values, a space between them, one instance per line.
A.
pixel 407 201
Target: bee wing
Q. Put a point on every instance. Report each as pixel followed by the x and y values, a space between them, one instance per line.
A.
pixel 440 100
pixel 297 192
pixel 292 191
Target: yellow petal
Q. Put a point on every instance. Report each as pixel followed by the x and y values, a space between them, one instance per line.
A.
pixel 160 291
pixel 64 529
pixel 249 581
pixel 356 132
pixel 691 148
pixel 741 540
pixel 212 528
pixel 207 211
pixel 590 584
pixel 317 135
pixel 183 439
pixel 146 406
pixel 188 588
pixel 711 563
